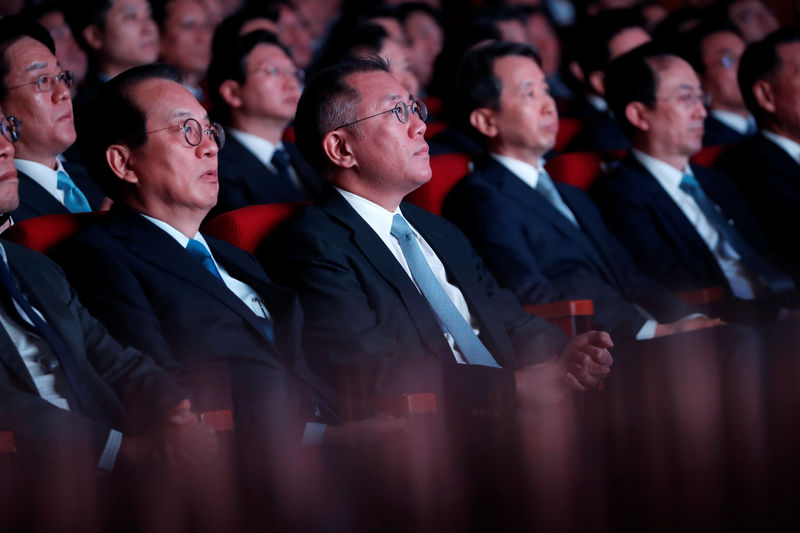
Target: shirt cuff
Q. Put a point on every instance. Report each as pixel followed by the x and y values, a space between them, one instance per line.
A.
pixel 314 433
pixel 648 330
pixel 109 455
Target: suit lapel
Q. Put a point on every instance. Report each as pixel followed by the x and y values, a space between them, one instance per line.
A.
pixel 13 360
pixel 36 198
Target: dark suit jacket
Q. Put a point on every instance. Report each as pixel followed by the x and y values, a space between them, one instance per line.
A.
pixel 770 182
pixel 35 201
pixel 131 391
pixel 244 180
pixel 152 294
pixel 541 256
pixel 717 132
pixel 368 328
pixel 602 133
pixel 658 235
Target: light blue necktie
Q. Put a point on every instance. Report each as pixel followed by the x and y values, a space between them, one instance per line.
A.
pixel 201 254
pixel 74 200
pixel 468 343
pixel 776 281
pixel 545 186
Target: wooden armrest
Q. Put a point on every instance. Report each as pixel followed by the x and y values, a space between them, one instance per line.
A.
pixel 564 308
pixel 406 404
pixel 706 295
pixel 7 442
pixel 219 420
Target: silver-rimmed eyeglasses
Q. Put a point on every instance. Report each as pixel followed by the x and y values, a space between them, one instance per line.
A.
pixel 46 82
pixel 401 110
pixel 193 132
pixel 10 127
pixel 271 71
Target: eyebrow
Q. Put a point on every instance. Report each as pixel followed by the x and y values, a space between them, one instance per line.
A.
pixel 36 66
pixel 181 113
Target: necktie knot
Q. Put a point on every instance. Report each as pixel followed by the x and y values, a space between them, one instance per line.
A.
pixel 201 254
pixel 689 184
pixel 280 159
pixel 74 200
pixel 400 228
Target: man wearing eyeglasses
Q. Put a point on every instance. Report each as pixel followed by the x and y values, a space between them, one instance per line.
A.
pixel 36 91
pixel 396 299
pixel 254 87
pixel 686 226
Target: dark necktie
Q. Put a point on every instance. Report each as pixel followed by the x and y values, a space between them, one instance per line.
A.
pixel 468 343
pixel 203 256
pixel 63 353
pixel 74 200
pixel 769 276
pixel 280 160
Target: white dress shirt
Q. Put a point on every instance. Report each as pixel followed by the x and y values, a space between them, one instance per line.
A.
pixel 734 121
pixel 263 150
pixel 32 348
pixel 786 144
pixel 380 220
pixel 43 175
pixel 728 259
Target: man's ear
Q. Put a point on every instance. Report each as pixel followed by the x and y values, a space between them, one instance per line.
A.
pixel 483 120
pixel 762 90
pixel 118 157
pixel 337 148
pixel 229 90
pixel 636 113
pixel 597 80
pixel 93 36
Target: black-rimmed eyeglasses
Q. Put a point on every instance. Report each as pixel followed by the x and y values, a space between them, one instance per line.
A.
pixel 46 82
pixel 401 110
pixel 193 132
pixel 10 127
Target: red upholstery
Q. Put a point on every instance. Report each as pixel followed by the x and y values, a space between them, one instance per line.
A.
pixel 434 127
pixel 7 442
pixel 288 135
pixel 446 171
pixel 580 168
pixel 44 232
pixel 248 226
pixel 433 103
pixel 572 316
pixel 708 155
pixel 568 128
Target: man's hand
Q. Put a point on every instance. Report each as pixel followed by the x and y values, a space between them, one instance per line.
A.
pixel 368 431
pixel 588 359
pixel 691 324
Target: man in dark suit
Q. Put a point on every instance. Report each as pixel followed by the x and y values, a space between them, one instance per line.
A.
pixel 545 248
pixel 685 226
pixel 37 92
pixel 767 167
pixel 254 87
pixel 369 328
pixel 69 391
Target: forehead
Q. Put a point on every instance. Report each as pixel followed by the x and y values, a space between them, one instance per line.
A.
pixel 516 71
pixel 626 40
pixel 721 40
pixel 789 54
pixel 266 53
pixel 178 8
pixel 27 54
pixel 674 73
pixel 163 101
pixel 377 89
pixel 126 5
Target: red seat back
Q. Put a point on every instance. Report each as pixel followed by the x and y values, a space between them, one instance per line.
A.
pixel 580 168
pixel 568 128
pixel 708 155
pixel 44 232
pixel 446 171
pixel 247 227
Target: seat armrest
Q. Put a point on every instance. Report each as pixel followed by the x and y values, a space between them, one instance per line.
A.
pixel 572 316
pixel 706 295
pixel 7 442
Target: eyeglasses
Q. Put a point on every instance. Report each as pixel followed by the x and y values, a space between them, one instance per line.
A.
pixel 46 82
pixel 689 99
pixel 193 132
pixel 727 61
pixel 10 127
pixel 292 73
pixel 402 111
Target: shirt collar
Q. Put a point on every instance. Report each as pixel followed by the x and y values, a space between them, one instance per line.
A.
pixel 182 239
pixel 378 218
pixel 788 145
pixel 668 176
pixel 733 120
pixel 597 102
pixel 524 171
pixel 259 146
pixel 41 174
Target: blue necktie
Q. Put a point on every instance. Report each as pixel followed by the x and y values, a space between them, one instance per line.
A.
pixel 776 281
pixel 64 356
pixel 545 186
pixel 201 254
pixel 74 200
pixel 468 343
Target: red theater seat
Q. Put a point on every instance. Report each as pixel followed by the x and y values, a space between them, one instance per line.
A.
pixel 246 227
pixel 446 171
pixel 44 232
pixel 580 168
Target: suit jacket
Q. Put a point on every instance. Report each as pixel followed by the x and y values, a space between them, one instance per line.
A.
pixel 658 235
pixel 368 328
pixel 540 255
pixel 152 294
pixel 770 182
pixel 603 133
pixel 244 180
pixel 131 391
pixel 34 200
pixel 717 132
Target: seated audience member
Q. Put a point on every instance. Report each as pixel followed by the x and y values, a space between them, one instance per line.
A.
pixel 686 226
pixel 396 298
pixel 766 167
pixel 602 39
pixel 78 402
pixel 754 18
pixel 545 241
pixel 248 19
pixel 714 52
pixel 116 35
pixel 255 87
pixel 203 308
pixel 544 39
pixel 35 89
pixel 423 28
pixel 185 40
pixel 50 15
pixel 293 33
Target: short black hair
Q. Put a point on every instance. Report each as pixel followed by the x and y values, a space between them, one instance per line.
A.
pixel 231 27
pixel 327 102
pixel 692 49
pixel 588 42
pixel 760 61
pixel 229 63
pixel 348 40
pixel 476 85
pixel 128 127
pixel 80 15
pixel 12 29
pixel 632 78
pixel 407 9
